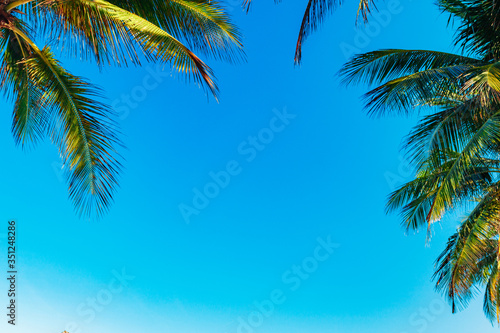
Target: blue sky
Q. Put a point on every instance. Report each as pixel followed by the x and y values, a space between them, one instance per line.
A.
pixel 323 173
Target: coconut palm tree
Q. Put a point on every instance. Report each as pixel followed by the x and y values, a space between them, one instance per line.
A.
pixel 455 147
pixel 315 13
pixel 51 102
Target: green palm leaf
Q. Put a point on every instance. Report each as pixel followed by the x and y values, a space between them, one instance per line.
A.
pixel 460 266
pixel 384 65
pixel 203 25
pixel 81 127
pixel 124 33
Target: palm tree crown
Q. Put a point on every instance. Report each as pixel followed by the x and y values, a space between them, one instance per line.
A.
pixel 455 148
pixel 50 101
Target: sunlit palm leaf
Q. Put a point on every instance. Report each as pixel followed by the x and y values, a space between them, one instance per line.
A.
pixel 82 129
pixel 460 266
pixel 123 30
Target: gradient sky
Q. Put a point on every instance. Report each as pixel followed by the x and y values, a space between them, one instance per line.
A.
pixel 326 173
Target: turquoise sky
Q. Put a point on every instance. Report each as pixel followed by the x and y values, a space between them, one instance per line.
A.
pixel 292 239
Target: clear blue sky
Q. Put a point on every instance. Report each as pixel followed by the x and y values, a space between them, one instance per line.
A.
pixel 323 172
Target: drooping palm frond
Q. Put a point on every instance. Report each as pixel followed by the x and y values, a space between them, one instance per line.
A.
pixel 205 26
pixel 80 126
pixel 29 121
pixel 315 13
pixel 124 33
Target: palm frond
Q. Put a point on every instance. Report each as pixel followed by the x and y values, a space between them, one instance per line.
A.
pixel 82 30
pixel 455 149
pixel 315 13
pixel 405 94
pixel 121 27
pixel 486 135
pixel 491 301
pixel 29 121
pixel 416 198
pixel 479 26
pixel 365 8
pixel 81 127
pixel 203 25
